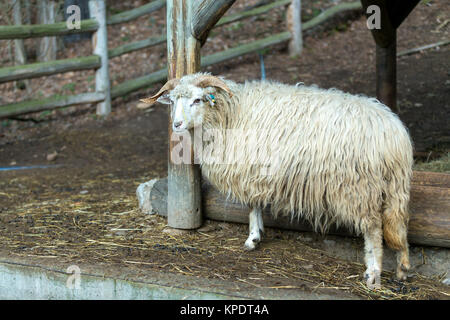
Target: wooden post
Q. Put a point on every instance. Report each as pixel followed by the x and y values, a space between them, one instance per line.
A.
pixel 390 15
pixel 184 179
pixel 206 14
pixel 294 24
pixel 97 9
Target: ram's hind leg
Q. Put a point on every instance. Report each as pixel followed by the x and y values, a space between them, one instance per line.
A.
pixel 373 243
pixel 395 234
pixel 256 227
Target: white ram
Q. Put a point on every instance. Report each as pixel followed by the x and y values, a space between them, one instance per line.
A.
pixel 340 159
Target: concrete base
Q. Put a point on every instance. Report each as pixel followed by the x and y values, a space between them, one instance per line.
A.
pixel 40 279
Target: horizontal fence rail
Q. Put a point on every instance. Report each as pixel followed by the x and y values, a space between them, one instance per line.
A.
pixel 89 25
pixel 40 69
pixel 57 101
pixel 33 70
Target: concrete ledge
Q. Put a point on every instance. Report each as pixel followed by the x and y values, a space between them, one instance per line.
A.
pixel 20 281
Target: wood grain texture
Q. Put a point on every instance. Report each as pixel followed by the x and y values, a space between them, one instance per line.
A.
pixel 183 54
pixel 206 14
pixel 429 209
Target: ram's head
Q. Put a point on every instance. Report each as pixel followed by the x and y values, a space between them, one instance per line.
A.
pixel 189 97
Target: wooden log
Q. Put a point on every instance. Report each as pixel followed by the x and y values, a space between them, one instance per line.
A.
pixel 129 86
pixel 45 30
pixel 97 8
pixel 137 45
pixel 429 209
pixel 294 24
pixel 40 69
pixel 205 15
pixel 245 49
pixel 250 13
pixel 53 102
pixel 132 14
pixel 183 55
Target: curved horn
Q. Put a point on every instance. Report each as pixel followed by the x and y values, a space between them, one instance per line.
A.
pixel 167 87
pixel 211 81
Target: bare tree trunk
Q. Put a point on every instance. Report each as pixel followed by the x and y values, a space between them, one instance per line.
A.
pixel 20 56
pixel 19 49
pixel 47 46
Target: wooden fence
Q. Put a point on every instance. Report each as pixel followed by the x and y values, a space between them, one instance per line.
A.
pixel 99 60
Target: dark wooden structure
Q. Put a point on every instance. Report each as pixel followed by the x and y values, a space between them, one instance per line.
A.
pixel 392 14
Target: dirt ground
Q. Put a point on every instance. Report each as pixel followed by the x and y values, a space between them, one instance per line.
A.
pixel 85 210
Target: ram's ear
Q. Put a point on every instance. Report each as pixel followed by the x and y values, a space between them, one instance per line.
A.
pixel 164 99
pixel 166 88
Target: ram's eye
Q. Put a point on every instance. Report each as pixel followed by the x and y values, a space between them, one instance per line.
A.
pixel 197 101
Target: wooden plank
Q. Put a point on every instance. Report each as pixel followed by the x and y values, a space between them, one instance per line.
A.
pixel 205 15
pixel 40 69
pixel 183 55
pixel 429 210
pixel 53 102
pixel 97 9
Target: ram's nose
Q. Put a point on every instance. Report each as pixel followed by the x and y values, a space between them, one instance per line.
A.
pixel 178 124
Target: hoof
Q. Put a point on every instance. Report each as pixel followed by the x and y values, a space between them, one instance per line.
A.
pixel 373 279
pixel 402 272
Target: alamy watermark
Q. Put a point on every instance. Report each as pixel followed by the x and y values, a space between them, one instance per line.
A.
pixel 74 280
pixel 74 17
pixel 374 20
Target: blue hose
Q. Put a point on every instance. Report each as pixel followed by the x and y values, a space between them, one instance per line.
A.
pixel 29 167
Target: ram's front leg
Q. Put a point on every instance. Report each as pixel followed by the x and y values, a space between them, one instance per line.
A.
pixel 256 228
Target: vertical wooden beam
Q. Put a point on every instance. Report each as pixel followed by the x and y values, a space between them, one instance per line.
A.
pixel 386 64
pixel 294 24
pixel 386 48
pixel 97 10
pixel 184 179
